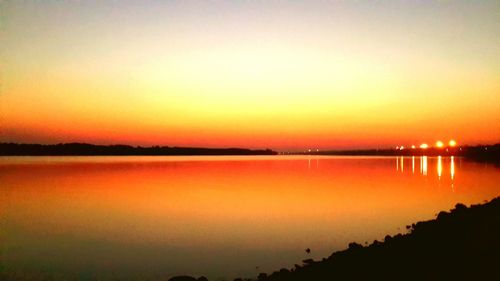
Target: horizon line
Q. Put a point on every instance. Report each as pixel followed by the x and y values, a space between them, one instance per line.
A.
pixel 297 150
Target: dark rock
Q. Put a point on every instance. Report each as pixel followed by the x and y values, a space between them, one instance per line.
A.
pixel 182 278
pixel 262 276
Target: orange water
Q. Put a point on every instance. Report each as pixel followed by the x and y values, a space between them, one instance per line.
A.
pixel 135 218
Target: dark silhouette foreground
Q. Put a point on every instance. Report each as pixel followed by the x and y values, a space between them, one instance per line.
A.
pixel 84 149
pixel 187 278
pixel 463 244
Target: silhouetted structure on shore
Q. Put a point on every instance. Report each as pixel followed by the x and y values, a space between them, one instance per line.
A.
pixel 463 244
pixel 490 153
pixel 14 149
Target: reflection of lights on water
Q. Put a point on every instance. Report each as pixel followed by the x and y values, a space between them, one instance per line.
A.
pixel 421 164
pixel 413 164
pixel 424 165
pixel 452 169
pixel 309 163
pixel 452 172
pixel 397 163
pixel 440 167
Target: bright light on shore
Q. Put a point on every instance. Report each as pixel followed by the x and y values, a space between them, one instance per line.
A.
pixel 413 147
pixel 452 143
pixel 424 146
pixel 439 144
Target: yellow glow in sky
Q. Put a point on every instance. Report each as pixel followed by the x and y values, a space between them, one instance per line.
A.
pixel 283 75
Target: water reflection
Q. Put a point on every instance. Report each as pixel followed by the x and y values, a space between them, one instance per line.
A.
pixel 424 165
pixel 439 161
pixel 309 165
pixel 439 167
pixel 413 164
pixel 452 173
pixel 452 168
pixel 153 217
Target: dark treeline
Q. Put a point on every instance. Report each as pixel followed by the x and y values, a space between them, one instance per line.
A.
pixel 463 244
pixel 479 152
pixel 490 153
pixel 14 149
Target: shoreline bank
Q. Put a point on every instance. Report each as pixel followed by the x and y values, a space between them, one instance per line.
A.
pixel 462 244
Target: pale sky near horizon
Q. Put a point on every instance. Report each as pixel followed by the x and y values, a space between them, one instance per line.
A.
pixel 277 74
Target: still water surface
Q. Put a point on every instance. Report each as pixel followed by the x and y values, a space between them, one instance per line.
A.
pixel 136 218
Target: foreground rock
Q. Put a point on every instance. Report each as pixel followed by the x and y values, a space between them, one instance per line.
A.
pixel 463 244
pixel 187 278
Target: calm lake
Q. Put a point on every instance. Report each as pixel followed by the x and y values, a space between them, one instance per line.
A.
pixel 137 218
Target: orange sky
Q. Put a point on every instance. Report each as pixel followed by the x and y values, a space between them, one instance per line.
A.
pixel 283 75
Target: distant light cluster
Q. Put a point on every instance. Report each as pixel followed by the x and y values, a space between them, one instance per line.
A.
pixel 439 144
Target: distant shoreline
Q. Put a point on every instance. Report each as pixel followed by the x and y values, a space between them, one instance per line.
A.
pixel 483 153
pixel 84 149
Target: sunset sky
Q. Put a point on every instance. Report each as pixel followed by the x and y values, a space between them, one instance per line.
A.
pixel 257 74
